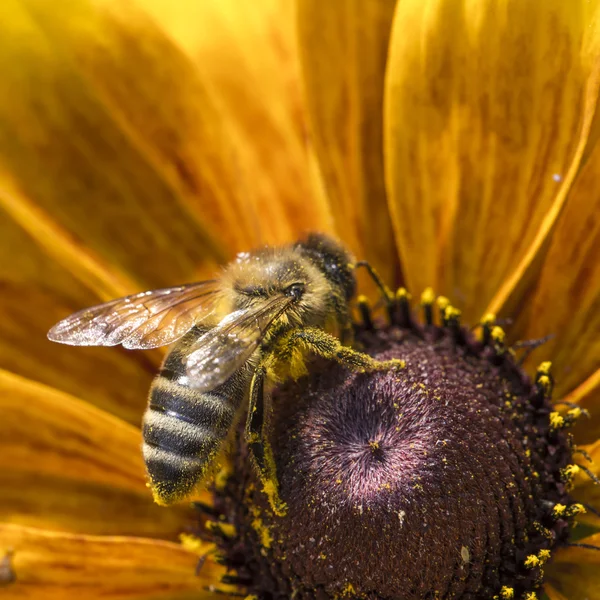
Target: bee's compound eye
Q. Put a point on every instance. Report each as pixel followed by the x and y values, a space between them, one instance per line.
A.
pixel 296 291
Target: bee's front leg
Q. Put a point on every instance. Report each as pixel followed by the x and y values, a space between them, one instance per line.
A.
pixel 258 444
pixel 327 346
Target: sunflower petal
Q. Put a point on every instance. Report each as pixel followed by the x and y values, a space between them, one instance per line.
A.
pixel 479 138
pixel 65 464
pixel 552 593
pixel 344 51
pixel 64 504
pixel 587 395
pixel 37 291
pixel 110 131
pixel 566 301
pixel 247 53
pixel 574 571
pixel 57 566
pixel 586 490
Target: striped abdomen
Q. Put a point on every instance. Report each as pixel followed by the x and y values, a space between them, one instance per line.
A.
pixel 184 429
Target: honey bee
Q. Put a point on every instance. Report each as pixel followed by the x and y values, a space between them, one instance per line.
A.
pixel 236 336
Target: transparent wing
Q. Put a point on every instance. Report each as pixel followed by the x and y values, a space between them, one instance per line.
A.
pixel 144 320
pixel 221 351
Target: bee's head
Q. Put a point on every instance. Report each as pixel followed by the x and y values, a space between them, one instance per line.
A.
pixel 332 259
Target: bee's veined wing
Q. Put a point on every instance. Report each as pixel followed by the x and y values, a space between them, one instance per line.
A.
pixel 144 320
pixel 224 349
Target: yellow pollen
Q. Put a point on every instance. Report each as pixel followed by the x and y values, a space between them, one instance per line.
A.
pixel 556 420
pixel 443 303
pixel 226 529
pixel 544 368
pixel 575 413
pixel 451 313
pixel 507 593
pixel 222 477
pixel 266 539
pixel 428 297
pixel 402 294
pixel 576 509
pixel 558 510
pixel 545 383
pixel 531 561
pixel 498 335
pixel 362 300
pixel 488 319
pixel 530 596
pixel 542 530
pixel 544 556
pixel 192 543
pixel 569 472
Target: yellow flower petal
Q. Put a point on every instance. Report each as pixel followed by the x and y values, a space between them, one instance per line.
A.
pixel 76 439
pixel 63 504
pixel 58 566
pixel 574 571
pixel 553 594
pixel 344 50
pixel 566 301
pixel 587 395
pixel 484 108
pixel 109 130
pixel 586 490
pixel 246 52
pixel 37 291
pixel 65 464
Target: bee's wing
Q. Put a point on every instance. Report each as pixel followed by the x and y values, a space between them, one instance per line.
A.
pixel 144 320
pixel 222 350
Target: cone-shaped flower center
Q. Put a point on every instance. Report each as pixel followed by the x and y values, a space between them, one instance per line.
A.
pixel 436 481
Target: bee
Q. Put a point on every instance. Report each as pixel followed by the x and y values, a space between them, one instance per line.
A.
pixel 234 338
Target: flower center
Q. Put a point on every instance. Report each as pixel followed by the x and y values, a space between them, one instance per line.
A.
pixel 447 479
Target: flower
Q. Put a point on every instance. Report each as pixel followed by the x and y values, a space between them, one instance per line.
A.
pixel 142 144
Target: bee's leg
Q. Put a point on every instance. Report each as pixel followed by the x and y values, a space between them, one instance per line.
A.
pixel 258 444
pixel 388 296
pixel 322 344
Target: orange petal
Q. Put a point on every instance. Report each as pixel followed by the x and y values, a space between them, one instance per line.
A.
pixel 552 593
pixel 247 53
pixel 109 130
pixel 586 490
pixel 63 504
pixel 580 556
pixel 58 566
pixel 65 464
pixel 587 395
pixel 574 571
pixel 344 51
pixel 482 102
pixel 566 301
pixel 36 291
